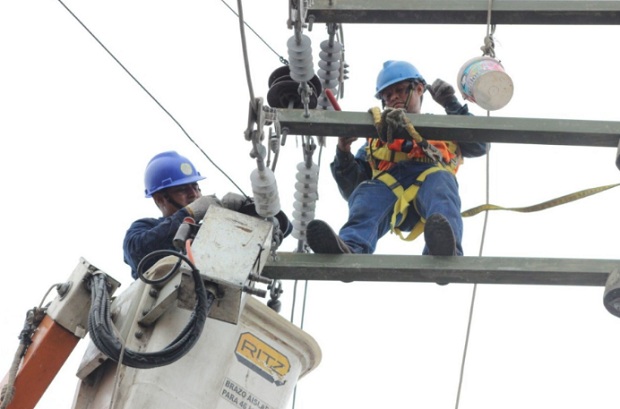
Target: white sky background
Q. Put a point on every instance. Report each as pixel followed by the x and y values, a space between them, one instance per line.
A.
pixel 77 132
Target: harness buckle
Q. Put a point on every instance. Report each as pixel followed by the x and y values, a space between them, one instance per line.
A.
pixel 432 152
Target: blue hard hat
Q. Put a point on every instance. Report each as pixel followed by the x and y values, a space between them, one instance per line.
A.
pixel 168 169
pixel 396 71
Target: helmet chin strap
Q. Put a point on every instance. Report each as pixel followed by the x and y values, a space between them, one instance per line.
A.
pixel 172 201
pixel 409 95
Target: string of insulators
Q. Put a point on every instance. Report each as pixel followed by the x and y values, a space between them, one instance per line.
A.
pixel 300 58
pixel 265 188
pixel 305 198
pixel 329 70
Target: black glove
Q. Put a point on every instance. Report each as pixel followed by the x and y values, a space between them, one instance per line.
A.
pixel 442 93
pixel 249 208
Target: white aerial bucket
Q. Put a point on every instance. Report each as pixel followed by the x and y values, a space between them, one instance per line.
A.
pixel 254 364
pixel 482 80
pixel 246 357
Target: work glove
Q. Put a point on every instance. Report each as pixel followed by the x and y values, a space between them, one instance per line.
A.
pixel 233 201
pixel 393 125
pixel 442 93
pixel 198 208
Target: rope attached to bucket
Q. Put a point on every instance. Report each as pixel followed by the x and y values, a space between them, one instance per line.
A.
pixel 488 48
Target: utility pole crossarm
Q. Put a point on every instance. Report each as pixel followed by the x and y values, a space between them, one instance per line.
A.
pixel 459 128
pixel 527 12
pixel 481 270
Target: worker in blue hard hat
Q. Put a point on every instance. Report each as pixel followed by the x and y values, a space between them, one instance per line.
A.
pixel 172 181
pixel 400 184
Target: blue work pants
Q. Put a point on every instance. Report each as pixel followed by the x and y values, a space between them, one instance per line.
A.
pixel 372 203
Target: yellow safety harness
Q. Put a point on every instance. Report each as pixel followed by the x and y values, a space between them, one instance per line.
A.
pixel 388 123
pixel 404 198
pixel 381 157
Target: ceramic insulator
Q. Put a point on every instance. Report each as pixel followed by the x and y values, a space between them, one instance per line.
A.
pixel 265 188
pixel 305 198
pixel 329 70
pixel 300 58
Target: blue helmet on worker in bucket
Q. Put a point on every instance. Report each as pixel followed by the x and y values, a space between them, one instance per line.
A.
pixel 396 71
pixel 168 169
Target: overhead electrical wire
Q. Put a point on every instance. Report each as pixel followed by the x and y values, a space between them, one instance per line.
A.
pixel 150 95
pixel 280 57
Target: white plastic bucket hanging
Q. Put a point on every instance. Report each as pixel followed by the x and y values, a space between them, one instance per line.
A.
pixel 482 80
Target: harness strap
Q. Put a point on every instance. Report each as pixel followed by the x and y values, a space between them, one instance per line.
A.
pixel 395 156
pixel 404 198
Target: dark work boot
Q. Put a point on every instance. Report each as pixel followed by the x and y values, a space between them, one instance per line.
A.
pixel 323 240
pixel 439 236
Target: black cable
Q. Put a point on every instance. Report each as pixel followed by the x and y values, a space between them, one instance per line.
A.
pixel 158 253
pixel 103 333
pixel 280 57
pixel 151 95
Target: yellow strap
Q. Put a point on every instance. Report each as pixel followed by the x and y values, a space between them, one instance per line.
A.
pixel 544 205
pixel 386 154
pixel 412 131
pixel 376 118
pixel 404 198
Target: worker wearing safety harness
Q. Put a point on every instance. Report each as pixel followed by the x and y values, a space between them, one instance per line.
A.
pixel 399 184
pixel 172 181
